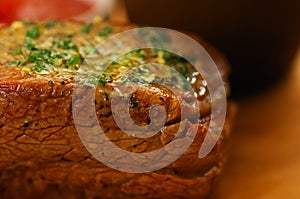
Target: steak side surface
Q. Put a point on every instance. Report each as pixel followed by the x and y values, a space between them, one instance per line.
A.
pixel 41 153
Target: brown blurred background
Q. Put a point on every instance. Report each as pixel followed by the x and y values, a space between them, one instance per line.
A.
pixel 259 37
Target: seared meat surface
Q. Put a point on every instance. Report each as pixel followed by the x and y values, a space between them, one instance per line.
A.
pixel 41 153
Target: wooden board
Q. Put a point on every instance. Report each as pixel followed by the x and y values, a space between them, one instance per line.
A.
pixel 264 161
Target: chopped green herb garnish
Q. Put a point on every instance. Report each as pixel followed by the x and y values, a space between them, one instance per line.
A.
pixel 33 33
pixel 105 31
pixel 87 28
pixel 67 45
pixel 17 63
pixel 115 62
pixel 22 63
pixel 64 44
pixel 88 49
pixel 75 60
pixel 56 43
pixel 124 79
pixel 171 57
pixel 44 52
pixel 39 57
pixel 39 68
pixel 68 36
pixel 28 43
pixel 107 77
pixel 135 53
pixel 56 60
pixel 33 57
pixel 106 96
pixel 17 51
pixel 134 104
pixel 102 82
pixel 50 82
pixel 146 67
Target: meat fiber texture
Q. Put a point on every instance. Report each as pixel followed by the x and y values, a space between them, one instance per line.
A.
pixel 41 154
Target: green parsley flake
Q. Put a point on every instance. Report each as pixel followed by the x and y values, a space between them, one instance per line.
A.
pixel 17 51
pixel 34 33
pixel 50 82
pixel 134 104
pixel 87 28
pixel 28 43
pixel 16 63
pixel 64 44
pixel 75 60
pixel 88 49
pixel 102 82
pixel 106 96
pixel 39 68
pixel 105 31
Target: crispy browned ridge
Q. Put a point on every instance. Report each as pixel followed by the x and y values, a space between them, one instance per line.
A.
pixel 42 155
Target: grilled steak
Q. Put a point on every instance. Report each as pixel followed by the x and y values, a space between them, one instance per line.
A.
pixel 41 153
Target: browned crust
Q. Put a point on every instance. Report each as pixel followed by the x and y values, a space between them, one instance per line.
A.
pixel 42 155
